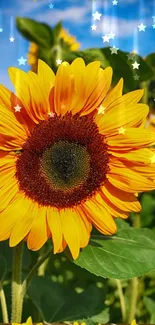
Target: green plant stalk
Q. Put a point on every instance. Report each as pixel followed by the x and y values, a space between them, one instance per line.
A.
pixel 133 299
pixel 42 267
pixel 134 283
pixel 144 85
pixel 17 296
pixel 122 300
pixel 33 271
pixel 3 306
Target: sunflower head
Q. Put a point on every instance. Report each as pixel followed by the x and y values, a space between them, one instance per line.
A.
pixel 69 39
pixel 75 151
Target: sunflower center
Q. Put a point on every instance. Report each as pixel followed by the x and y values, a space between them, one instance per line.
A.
pixel 63 162
pixel 65 165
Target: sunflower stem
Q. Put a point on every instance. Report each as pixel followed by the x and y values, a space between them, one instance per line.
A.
pixel 3 306
pixel 122 300
pixel 33 271
pixel 42 267
pixel 17 296
pixel 134 283
pixel 133 299
pixel 144 85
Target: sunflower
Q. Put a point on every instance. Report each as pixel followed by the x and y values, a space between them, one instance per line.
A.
pixel 69 39
pixel 73 155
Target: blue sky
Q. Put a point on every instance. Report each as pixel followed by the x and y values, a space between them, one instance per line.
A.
pixel 122 19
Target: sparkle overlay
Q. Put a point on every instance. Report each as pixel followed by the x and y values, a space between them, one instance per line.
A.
pixel 135 65
pixel 141 27
pixel 96 15
pixel 22 61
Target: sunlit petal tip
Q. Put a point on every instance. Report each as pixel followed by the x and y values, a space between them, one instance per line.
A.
pixel 133 322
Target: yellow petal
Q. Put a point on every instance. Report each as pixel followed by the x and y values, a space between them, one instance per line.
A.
pixel 127 116
pixel 98 90
pixel 123 200
pixel 130 181
pixel 38 234
pixel 26 215
pixel 69 219
pixel 113 94
pixel 8 192
pixel 46 77
pixel 99 216
pixel 132 138
pixel 54 223
pixel 139 157
pixel 63 91
pixel 11 215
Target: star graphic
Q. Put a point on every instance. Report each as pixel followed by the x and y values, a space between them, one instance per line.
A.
pixel 136 77
pixel 152 159
pixel 11 39
pixel 17 108
pixel 141 27
pixel 101 109
pixel 111 35
pixel 114 2
pixel 58 61
pixel 1 30
pixel 96 15
pixel 105 38
pixel 153 26
pixel 51 114
pixel 93 27
pixel 135 65
pixel 121 130
pixel 131 56
pixel 51 6
pixel 22 61
pixel 114 49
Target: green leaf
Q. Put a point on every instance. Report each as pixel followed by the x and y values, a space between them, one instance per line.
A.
pixel 57 29
pixel 148 209
pixel 145 71
pixel 150 59
pixel 150 304
pixel 121 224
pixel 152 320
pixel 36 32
pixel 101 318
pixel 7 253
pixel 3 267
pixel 58 303
pixel 130 253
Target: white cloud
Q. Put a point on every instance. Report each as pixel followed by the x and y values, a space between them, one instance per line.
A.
pixel 73 14
pixel 121 27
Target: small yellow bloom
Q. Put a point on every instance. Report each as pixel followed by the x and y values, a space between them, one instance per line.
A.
pixel 69 39
pixel 133 322
pixel 28 322
pixel 76 323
